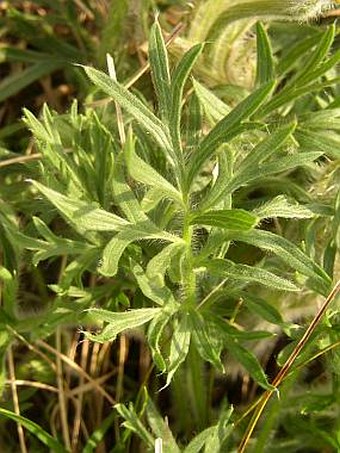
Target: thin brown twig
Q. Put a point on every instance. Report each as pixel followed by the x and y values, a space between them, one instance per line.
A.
pixel 77 416
pixel 61 393
pixel 32 348
pixel 25 158
pixel 262 402
pixel 78 369
pixel 15 398
pixel 35 384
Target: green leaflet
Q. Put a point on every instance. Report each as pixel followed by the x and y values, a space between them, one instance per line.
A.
pixel 280 206
pixel 264 150
pixel 50 144
pixel 115 248
pixel 325 140
pixel 214 108
pixel 124 196
pixel 222 430
pixel 36 430
pixel 265 63
pixel 159 264
pixel 179 346
pixel 161 428
pixel 296 51
pixel 144 173
pixel 9 290
pixel 83 215
pixel 156 330
pixel 262 308
pixel 232 219
pixel 277 166
pixel 317 57
pixel 179 78
pixel 288 96
pixel 160 69
pixel 208 347
pixel 289 253
pixel 134 424
pixel 248 360
pixel 134 106
pixel 119 321
pixel 227 128
pixel 320 71
pixel 212 438
pixel 153 287
pixel 249 274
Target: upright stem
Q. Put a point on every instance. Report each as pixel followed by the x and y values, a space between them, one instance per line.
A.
pixel 195 382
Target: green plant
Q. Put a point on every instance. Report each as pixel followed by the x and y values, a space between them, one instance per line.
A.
pixel 163 207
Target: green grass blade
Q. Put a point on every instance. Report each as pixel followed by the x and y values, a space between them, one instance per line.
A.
pixel 98 435
pixel 8 53
pixel 12 84
pixel 159 64
pixel 265 62
pixel 36 430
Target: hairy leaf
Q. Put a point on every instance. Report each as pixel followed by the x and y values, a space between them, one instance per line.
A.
pixel 119 321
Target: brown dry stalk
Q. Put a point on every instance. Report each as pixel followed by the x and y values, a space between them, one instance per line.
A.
pixel 20 429
pixel 78 369
pixel 282 374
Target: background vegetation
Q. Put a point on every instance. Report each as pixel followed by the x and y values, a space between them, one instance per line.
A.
pixel 169 241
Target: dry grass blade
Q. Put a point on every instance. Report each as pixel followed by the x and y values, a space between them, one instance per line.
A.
pixel 61 393
pixel 261 404
pixel 79 370
pixel 15 398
